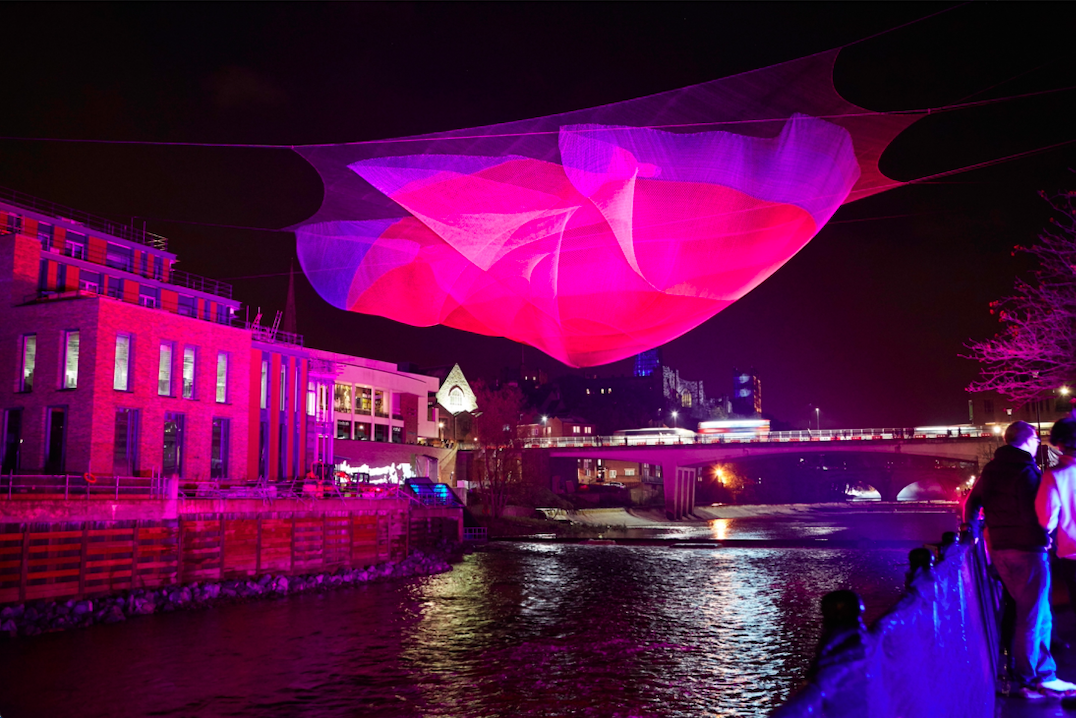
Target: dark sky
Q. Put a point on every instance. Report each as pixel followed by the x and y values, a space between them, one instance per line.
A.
pixel 867 322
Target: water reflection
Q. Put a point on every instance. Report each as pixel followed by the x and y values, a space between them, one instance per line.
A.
pixel 531 629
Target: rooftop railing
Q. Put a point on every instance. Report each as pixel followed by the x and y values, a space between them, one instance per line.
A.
pixel 269 334
pixel 538 442
pixel 129 232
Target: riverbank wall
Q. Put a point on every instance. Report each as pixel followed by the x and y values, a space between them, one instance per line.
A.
pixel 72 550
pixel 933 654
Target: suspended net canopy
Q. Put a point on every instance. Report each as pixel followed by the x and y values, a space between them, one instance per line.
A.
pixel 595 234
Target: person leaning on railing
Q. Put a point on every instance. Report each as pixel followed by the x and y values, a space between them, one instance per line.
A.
pixel 1006 492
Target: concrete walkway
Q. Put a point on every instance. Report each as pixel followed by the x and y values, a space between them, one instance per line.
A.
pixel 1064 650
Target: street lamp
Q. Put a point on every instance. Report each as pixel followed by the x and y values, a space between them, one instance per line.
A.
pixel 818 418
pixel 674 420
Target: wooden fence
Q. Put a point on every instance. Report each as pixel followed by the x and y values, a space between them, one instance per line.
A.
pixel 76 560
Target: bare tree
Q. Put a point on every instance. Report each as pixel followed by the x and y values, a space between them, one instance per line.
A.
pixel 499 453
pixel 1035 353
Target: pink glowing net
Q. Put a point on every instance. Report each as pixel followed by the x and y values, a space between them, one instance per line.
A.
pixel 600 233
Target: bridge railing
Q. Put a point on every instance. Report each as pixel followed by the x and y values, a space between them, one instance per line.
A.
pixel 933 654
pixel 746 437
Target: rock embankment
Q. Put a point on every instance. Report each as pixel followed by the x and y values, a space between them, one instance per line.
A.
pixel 37 617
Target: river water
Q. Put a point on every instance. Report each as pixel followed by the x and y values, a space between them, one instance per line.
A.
pixel 521 629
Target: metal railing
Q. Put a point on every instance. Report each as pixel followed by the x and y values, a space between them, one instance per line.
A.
pixel 129 232
pixel 268 334
pixel 179 278
pixel 759 437
pixel 88 486
pixel 79 486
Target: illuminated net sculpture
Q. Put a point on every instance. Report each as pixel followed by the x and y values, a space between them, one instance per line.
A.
pixel 596 234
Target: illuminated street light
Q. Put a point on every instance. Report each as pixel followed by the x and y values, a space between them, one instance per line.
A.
pixel 818 418
pixel 674 419
pixel 1064 391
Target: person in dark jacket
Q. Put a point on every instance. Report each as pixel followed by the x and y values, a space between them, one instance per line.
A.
pixel 1006 492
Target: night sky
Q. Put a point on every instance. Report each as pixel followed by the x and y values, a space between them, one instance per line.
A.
pixel 867 322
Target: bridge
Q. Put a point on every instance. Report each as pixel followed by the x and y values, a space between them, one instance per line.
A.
pixel 680 458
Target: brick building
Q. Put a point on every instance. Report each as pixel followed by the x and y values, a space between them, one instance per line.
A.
pixel 116 363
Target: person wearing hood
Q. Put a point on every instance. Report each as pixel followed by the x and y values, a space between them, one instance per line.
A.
pixel 1006 493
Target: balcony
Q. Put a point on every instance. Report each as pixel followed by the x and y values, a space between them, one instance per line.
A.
pixel 129 232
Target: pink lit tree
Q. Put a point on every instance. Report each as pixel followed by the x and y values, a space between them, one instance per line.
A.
pixel 498 456
pixel 1035 352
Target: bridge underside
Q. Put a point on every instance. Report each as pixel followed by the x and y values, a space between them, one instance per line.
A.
pixel 943 465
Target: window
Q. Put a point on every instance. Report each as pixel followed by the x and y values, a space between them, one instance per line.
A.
pixel 164 370
pixel 121 373
pixel 364 402
pixel 89 282
pixel 397 434
pixel 362 431
pixel 29 361
pixel 265 384
pixel 218 449
pixel 575 429
pixel 283 387
pixel 75 246
pixel 629 472
pixel 342 398
pixel 455 399
pixel 381 432
pixel 381 407
pixel 172 456
pixel 70 380
pixel 118 257
pixel 149 297
pixel 222 377
pixel 187 306
pixel 431 406
pixel 125 451
pixel 311 399
pixel 588 429
pixel 188 372
pixel 343 429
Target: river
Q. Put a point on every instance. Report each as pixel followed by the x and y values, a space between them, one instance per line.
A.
pixel 528 628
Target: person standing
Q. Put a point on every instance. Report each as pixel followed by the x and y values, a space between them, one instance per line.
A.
pixel 1056 502
pixel 1006 493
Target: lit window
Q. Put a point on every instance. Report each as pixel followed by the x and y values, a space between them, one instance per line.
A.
pixel 265 384
pixel 70 360
pixel 29 360
pixel 222 377
pixel 575 429
pixel 342 398
pixel 188 372
pixel 164 370
pixel 311 399
pixel 121 374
